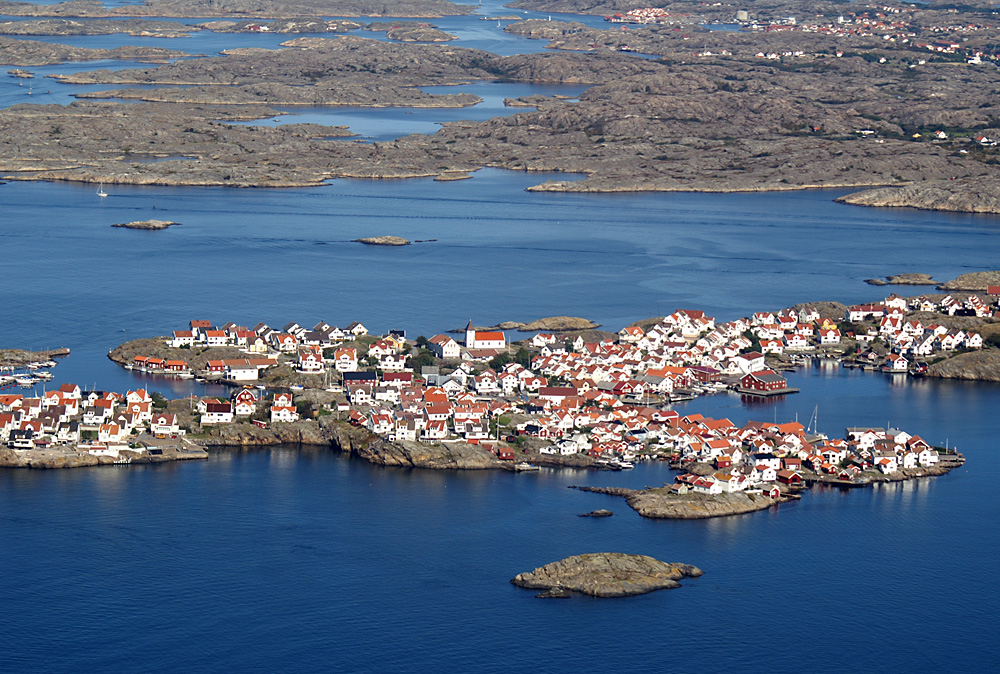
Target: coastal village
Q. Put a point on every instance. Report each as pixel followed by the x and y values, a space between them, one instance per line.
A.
pixel 552 399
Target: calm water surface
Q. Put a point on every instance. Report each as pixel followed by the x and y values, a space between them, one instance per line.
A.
pixel 307 561
pixel 500 253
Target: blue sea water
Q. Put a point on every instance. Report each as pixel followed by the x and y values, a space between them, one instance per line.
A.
pixel 501 253
pixel 304 560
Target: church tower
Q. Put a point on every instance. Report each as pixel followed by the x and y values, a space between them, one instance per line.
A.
pixel 470 336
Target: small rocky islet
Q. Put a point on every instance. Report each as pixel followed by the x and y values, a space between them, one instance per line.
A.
pixel 903 280
pixel 149 225
pixel 605 574
pixel 383 241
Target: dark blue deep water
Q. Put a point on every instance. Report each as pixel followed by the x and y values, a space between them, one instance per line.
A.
pixel 303 560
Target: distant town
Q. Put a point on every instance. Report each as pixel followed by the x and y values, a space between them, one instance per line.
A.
pixel 902 25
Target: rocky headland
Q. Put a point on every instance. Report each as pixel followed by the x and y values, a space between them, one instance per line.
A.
pixel 155 347
pixel 19 357
pixel 968 195
pixel 607 574
pixel 977 281
pixel 153 225
pixel 973 366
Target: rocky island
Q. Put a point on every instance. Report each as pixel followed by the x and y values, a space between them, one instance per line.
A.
pixel 606 574
pixel 17 52
pixel 411 32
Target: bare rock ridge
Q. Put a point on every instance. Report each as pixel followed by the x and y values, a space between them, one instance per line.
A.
pixel 607 574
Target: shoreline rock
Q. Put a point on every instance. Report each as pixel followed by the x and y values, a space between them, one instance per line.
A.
pixel 71 457
pixel 605 574
pixel 354 440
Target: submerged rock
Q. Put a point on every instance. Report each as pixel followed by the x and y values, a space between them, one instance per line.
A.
pixel 606 574
pixel 555 593
pixel 383 241
pixel 597 513
pixel 146 224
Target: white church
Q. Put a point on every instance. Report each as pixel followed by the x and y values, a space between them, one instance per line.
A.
pixel 479 339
